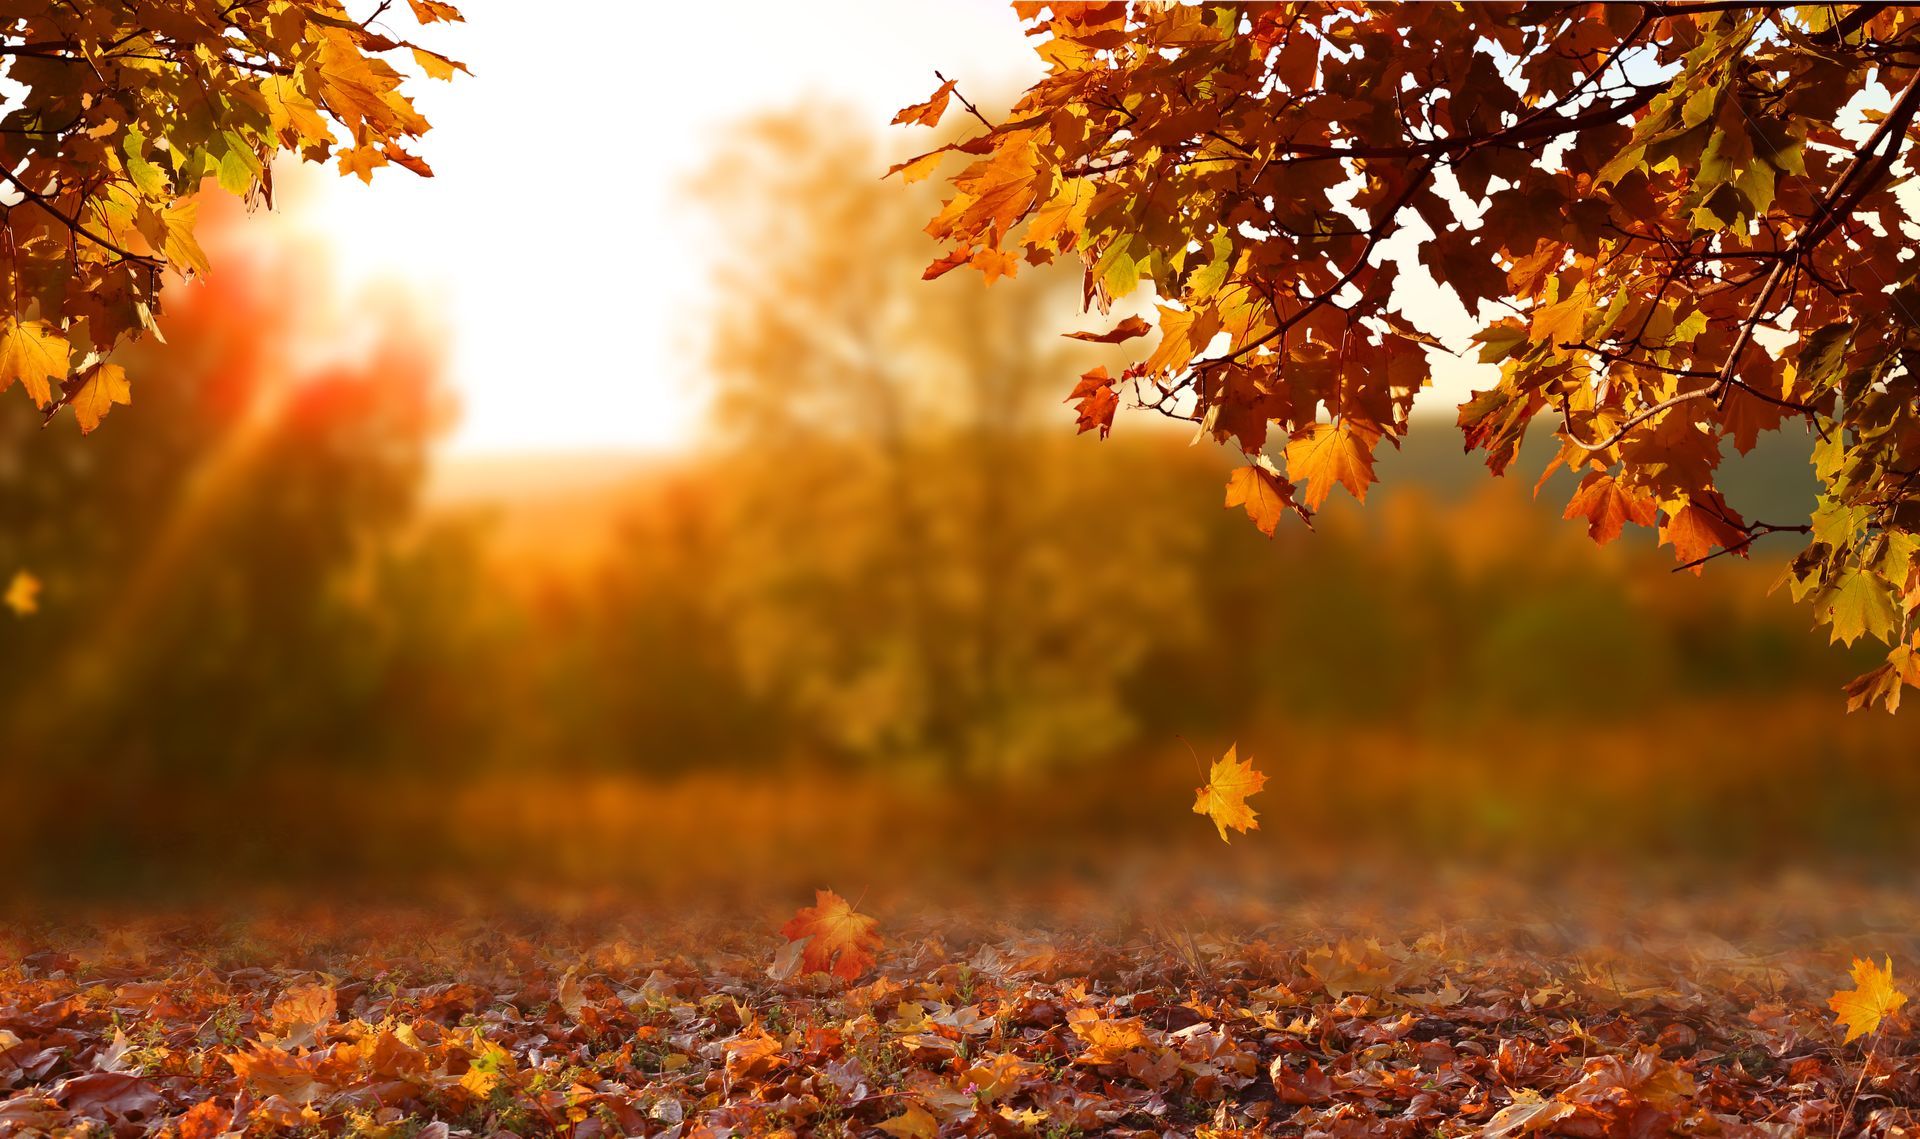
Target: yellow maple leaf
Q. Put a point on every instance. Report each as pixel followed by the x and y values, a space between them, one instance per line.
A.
pixel 1108 1039
pixel 23 594
pixel 839 940
pixel 1266 495
pixel 915 1122
pixel 104 388
pixel 490 1063
pixel 1871 999
pixel 34 354
pixel 1224 798
pixel 1331 453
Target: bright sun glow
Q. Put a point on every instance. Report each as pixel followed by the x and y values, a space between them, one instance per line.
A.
pixel 555 236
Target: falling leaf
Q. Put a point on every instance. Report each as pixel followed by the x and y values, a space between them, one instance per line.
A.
pixel 1126 330
pixel 1871 1000
pixel 23 594
pixel 1095 401
pixel 1224 798
pixel 839 940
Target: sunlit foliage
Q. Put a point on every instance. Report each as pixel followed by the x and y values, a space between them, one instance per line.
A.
pixel 1659 216
pixel 121 112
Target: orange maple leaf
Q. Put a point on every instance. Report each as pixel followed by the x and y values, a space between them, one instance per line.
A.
pixel 839 940
pixel 1871 999
pixel 1108 1039
pixel 1332 453
pixel 1694 531
pixel 1094 399
pixel 1224 798
pixel 1266 495
pixel 1608 507
pixel 929 112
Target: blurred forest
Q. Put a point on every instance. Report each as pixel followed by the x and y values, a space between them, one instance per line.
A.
pixel 965 639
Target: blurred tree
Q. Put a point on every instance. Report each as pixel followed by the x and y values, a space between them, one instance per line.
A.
pixel 914 566
pixel 224 621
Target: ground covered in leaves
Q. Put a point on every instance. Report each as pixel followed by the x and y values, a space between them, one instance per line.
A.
pixel 415 1023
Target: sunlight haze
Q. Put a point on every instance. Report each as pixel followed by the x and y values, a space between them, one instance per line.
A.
pixel 564 255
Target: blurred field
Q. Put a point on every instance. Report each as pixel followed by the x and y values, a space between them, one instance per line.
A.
pixel 847 638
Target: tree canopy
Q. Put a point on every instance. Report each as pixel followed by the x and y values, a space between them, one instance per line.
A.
pixel 123 111
pixel 1675 226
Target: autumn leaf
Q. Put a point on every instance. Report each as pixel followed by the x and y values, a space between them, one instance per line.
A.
pixel 839 940
pixel 927 113
pixel 1126 330
pixel 1331 453
pixel 1860 603
pixel 489 1064
pixel 941 266
pixel 1528 1112
pixel 301 1014
pixel 995 264
pixel 569 994
pixel 35 355
pixel 915 169
pixel 270 1071
pixel 1695 532
pixel 913 1123
pixel 1608 507
pixel 431 11
pixel 205 1120
pixel 437 66
pixel 1095 401
pixel 106 386
pixel 23 594
pixel 1224 798
pixel 1108 1040
pixel 1266 496
pixel 1871 1000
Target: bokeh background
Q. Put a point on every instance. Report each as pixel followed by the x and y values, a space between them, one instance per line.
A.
pixel 850 605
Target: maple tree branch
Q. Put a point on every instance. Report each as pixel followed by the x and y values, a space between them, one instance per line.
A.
pixel 1755 531
pixel 1537 126
pixel 1636 419
pixel 1833 208
pixel 964 102
pixel 74 224
pixel 39 48
pixel 1375 235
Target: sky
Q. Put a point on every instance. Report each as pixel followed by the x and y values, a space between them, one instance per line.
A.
pixel 556 237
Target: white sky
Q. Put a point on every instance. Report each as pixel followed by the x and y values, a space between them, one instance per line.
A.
pixel 554 236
